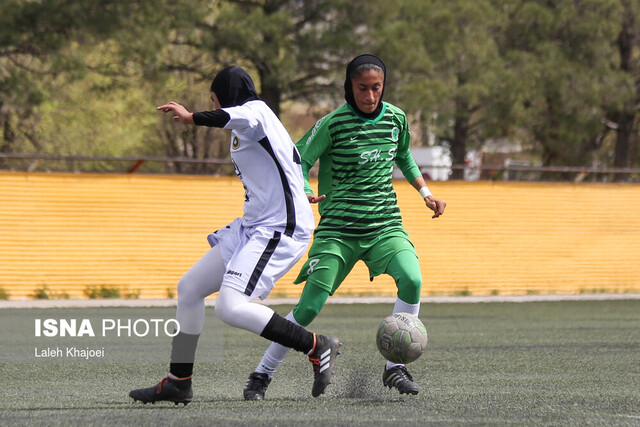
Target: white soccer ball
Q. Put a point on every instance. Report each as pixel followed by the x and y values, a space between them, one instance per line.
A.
pixel 401 338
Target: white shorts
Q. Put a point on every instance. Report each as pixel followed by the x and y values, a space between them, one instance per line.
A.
pixel 255 258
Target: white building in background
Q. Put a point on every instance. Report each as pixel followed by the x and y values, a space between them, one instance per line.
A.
pixel 434 163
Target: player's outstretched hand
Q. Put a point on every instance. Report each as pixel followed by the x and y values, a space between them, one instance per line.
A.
pixel 436 205
pixel 182 114
pixel 315 199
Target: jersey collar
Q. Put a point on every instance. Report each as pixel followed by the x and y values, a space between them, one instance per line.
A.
pixel 375 119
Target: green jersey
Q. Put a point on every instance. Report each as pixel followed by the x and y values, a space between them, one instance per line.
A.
pixel 356 170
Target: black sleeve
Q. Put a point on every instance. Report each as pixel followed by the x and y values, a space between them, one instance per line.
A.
pixel 213 118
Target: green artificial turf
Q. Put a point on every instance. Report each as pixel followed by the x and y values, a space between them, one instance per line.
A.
pixel 538 363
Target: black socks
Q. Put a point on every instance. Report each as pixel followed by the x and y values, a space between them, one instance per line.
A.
pixel 288 334
pixel 183 353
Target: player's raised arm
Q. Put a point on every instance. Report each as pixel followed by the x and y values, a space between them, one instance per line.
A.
pixel 181 113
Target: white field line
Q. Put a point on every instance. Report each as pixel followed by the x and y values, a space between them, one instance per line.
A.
pixel 85 303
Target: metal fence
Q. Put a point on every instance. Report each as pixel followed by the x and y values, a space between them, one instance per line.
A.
pixel 186 165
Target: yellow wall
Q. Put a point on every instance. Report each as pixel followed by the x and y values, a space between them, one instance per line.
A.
pixel 141 232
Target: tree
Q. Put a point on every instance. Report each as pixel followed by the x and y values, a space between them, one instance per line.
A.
pixel 296 47
pixel 623 114
pixel 447 63
pixel 559 77
pixel 56 56
pixel 41 43
pixel 562 50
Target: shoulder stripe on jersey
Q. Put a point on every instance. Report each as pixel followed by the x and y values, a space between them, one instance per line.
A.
pixel 262 263
pixel 288 195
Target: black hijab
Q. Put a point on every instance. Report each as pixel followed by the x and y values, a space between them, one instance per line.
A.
pixel 233 86
pixel 348 86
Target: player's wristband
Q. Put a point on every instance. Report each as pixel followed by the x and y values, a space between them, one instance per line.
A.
pixel 424 192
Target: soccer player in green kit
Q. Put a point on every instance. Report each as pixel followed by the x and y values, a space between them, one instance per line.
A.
pixel 357 145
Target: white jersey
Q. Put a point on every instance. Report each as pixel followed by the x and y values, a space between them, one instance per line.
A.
pixel 268 163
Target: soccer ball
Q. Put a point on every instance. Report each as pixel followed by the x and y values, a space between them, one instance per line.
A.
pixel 401 338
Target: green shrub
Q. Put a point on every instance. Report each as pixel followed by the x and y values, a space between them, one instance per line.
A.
pixel 135 294
pixel 3 293
pixel 463 293
pixel 42 293
pixel 101 292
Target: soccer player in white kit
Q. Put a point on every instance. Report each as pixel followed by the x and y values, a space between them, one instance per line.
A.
pixel 250 254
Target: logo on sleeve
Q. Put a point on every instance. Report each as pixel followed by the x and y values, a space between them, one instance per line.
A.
pixel 235 143
pixel 395 133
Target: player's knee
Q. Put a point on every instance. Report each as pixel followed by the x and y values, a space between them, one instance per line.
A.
pixel 222 312
pixel 186 290
pixel 311 302
pixel 227 306
pixel 409 285
pixel 305 313
pixel 223 309
pixel 414 281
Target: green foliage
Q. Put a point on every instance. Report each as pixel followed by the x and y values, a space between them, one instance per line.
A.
pixel 132 294
pixel 44 292
pixel 101 292
pixel 463 292
pixel 41 293
pixel 4 294
pixel 107 292
pixel 548 76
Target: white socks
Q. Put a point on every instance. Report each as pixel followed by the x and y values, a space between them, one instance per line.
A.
pixel 275 354
pixel 403 307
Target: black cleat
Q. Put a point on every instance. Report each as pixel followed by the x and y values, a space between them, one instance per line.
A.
pixel 400 378
pixel 323 359
pixel 167 389
pixel 256 386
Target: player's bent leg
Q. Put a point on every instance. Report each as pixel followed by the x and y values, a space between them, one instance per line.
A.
pixel 203 279
pixel 311 301
pixel 256 386
pixel 405 270
pixel 236 309
pixel 322 350
pixel 310 304
pixel 233 308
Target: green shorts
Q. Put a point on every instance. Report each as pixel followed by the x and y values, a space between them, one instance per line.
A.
pixel 332 259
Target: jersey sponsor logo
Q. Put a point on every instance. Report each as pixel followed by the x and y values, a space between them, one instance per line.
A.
pixel 235 142
pixel 377 155
pixel 315 129
pixel 395 133
pixel 234 273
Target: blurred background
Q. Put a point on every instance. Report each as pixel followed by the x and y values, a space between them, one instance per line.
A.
pixel 102 196
pixel 494 89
